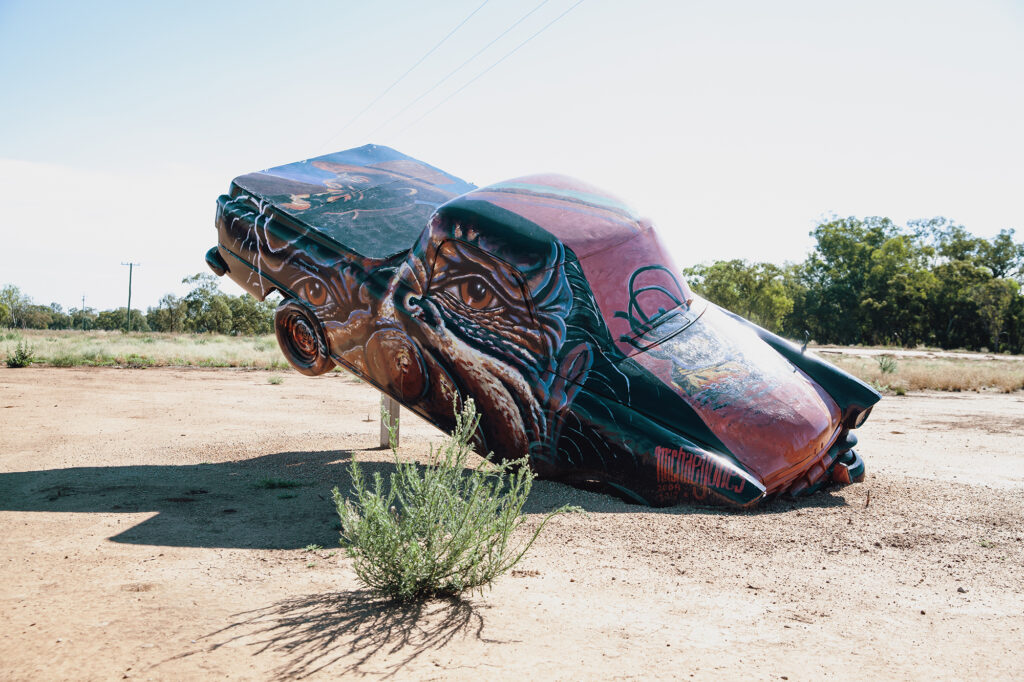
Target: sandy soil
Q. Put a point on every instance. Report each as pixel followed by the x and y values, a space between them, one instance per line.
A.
pixel 136 544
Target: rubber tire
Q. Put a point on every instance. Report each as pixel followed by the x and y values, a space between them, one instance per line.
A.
pixel 301 338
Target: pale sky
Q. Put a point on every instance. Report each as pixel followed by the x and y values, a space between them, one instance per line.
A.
pixel 736 126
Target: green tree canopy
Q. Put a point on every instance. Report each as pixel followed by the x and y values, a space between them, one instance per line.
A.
pixel 756 291
pixel 168 315
pixel 114 320
pixel 206 307
pixel 15 304
pixel 869 280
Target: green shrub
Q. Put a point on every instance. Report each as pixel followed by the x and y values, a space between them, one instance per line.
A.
pixel 886 364
pixel 134 360
pixel 439 529
pixel 22 355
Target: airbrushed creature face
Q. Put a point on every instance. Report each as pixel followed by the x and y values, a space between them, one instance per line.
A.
pixel 482 329
pixel 481 299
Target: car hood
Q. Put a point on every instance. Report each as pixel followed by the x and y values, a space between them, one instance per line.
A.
pixel 772 417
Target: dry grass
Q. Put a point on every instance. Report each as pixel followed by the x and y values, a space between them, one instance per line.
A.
pixel 928 371
pixel 69 348
pixel 936 373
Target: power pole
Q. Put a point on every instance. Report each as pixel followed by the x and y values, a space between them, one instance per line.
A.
pixel 83 312
pixel 131 266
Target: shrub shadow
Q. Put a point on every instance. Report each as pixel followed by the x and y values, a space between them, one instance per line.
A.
pixel 354 629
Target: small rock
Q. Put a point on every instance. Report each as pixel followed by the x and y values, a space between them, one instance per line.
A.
pixel 922 612
pixel 962 590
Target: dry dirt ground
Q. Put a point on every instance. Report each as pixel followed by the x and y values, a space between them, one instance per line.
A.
pixel 137 543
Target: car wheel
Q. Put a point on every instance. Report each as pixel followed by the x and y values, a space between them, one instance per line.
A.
pixel 301 338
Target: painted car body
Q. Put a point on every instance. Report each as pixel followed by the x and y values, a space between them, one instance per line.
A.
pixel 554 307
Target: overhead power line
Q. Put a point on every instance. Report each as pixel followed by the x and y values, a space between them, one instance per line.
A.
pixel 488 69
pixel 402 77
pixel 461 66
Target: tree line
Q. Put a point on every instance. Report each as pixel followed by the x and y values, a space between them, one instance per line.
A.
pixel 867 281
pixel 870 281
pixel 203 309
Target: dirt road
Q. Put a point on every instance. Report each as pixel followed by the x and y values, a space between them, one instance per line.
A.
pixel 138 542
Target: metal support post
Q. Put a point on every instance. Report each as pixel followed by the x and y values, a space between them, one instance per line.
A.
pixel 393 407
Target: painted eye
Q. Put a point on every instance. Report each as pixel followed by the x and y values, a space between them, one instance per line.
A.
pixel 315 292
pixel 475 293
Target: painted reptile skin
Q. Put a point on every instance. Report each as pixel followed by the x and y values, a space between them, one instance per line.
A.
pixel 554 307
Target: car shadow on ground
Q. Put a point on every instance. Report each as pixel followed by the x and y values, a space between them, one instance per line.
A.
pixel 276 501
pixel 602 499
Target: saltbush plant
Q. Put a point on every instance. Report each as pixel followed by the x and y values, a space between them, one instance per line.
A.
pixel 439 529
pixel 22 355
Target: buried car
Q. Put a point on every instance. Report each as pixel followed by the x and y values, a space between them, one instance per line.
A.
pixel 553 306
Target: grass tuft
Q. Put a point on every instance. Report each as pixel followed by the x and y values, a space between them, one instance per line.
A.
pixel 22 356
pixel 886 364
